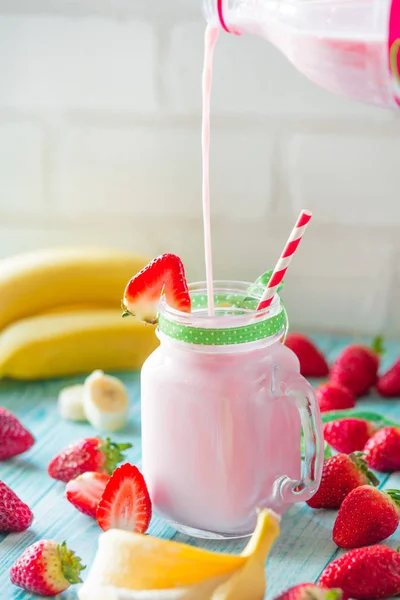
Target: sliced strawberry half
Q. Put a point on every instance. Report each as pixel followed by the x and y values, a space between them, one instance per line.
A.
pixel 85 491
pixel 125 503
pixel 142 294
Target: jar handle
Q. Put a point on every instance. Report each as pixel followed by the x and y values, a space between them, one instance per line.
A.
pixel 311 470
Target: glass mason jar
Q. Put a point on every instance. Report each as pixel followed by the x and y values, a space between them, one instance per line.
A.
pixel 223 411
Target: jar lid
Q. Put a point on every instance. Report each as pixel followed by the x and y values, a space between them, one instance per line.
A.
pixel 226 304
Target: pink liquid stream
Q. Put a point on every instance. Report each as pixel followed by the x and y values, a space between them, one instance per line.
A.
pixel 210 41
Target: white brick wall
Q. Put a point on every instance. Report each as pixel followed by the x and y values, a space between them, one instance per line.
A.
pixel 100 144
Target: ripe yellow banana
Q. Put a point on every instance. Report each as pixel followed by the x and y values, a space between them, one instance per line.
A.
pixel 74 342
pixel 52 279
pixel 134 566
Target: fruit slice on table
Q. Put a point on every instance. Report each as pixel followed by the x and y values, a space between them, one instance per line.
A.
pixel 348 435
pixel 85 492
pixel 125 503
pixel 364 573
pixel 383 450
pixel 46 568
pixel 389 383
pixel 136 562
pixel 105 401
pixel 312 361
pixel 356 368
pixel 15 515
pixel 166 274
pixel 367 516
pixel 34 282
pixel 88 454
pixel 341 474
pixel 14 438
pixel 70 403
pixel 332 396
pixel 68 343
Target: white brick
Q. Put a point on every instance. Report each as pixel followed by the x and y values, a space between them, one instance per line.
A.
pixel 340 281
pixel 150 238
pixel 155 8
pixel 250 76
pixel 21 168
pixel 76 63
pixel 393 316
pixel 345 179
pixel 157 171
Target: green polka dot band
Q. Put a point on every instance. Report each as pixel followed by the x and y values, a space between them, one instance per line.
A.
pixel 225 304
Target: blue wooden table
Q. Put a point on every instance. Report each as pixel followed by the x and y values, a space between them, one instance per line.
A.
pixel 300 554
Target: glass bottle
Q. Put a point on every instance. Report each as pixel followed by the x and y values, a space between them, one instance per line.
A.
pixel 350 47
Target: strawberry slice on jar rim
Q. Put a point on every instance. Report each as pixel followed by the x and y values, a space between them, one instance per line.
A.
pixel 165 274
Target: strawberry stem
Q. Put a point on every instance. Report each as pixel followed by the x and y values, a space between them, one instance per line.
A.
pixel 395 495
pixel 361 464
pixel 113 453
pixel 376 418
pixel 70 563
pixel 327 451
pixel 334 594
pixel 377 345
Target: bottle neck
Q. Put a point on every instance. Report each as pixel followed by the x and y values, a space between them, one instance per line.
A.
pixel 238 16
pixel 254 17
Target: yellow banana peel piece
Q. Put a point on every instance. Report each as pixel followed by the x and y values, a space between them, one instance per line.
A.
pixel 74 342
pixel 130 566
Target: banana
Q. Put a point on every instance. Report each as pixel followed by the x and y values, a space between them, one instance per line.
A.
pixel 105 402
pixel 70 403
pixel 72 343
pixel 132 566
pixel 36 282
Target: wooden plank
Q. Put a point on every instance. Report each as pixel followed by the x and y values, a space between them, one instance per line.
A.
pixel 300 554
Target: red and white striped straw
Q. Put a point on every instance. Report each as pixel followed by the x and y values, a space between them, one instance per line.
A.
pixel 284 261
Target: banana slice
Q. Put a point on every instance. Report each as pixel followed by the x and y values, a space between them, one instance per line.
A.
pixel 70 403
pixel 105 402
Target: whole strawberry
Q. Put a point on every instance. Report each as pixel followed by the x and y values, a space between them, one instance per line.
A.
pixel 389 384
pixel 88 454
pixel 14 438
pixel 15 515
pixel 367 516
pixel 341 474
pixel 348 435
pixel 332 396
pixel 311 591
pixel 364 573
pixel 46 568
pixel 357 366
pixel 312 361
pixel 383 450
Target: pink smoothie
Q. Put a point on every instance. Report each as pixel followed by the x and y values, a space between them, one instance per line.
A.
pixel 218 432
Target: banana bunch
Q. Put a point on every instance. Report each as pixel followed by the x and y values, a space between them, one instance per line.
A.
pixel 135 566
pixel 60 314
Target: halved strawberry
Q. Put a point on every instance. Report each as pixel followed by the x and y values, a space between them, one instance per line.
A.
pixel 85 491
pixel 142 294
pixel 125 503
